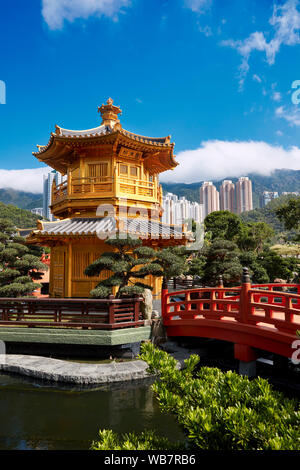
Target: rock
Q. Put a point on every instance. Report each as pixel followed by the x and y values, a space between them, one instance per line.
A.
pixel 155 314
pixel 146 305
pixel 158 333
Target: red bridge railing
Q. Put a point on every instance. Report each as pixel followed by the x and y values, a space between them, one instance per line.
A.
pixel 263 316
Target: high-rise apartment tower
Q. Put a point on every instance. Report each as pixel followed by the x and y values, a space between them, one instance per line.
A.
pixel 209 197
pixel 243 189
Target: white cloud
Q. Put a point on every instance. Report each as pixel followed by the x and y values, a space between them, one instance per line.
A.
pixel 291 115
pixel 285 22
pixel 256 78
pixel 213 160
pixel 276 96
pixel 55 12
pixel 217 159
pixel 29 180
pixel 198 6
pixel 206 30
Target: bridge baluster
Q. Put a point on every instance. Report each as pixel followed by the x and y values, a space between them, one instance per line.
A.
pixel 289 317
pixel 188 303
pixel 220 293
pixel 245 299
pixel 213 304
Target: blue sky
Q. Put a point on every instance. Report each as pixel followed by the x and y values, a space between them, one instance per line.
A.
pixel 215 74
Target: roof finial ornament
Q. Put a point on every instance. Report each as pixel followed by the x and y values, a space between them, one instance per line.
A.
pixel 109 114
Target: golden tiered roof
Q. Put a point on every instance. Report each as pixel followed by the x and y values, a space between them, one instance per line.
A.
pixel 59 152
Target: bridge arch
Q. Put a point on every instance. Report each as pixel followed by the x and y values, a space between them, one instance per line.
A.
pixel 265 316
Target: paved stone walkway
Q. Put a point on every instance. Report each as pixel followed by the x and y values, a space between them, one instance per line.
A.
pixel 57 370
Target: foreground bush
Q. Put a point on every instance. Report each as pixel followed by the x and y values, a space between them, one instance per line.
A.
pixel 217 410
pixel 147 440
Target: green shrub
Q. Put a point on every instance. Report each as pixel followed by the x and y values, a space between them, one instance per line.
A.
pixel 223 410
pixel 216 410
pixel 147 440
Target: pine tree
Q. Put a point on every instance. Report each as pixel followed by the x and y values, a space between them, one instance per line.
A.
pixel 222 258
pixel 172 261
pixel 128 262
pixel 19 264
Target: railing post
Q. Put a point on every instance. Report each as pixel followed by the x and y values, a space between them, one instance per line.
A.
pixel 111 310
pixel 164 292
pixel 244 297
pixel 220 281
pixel 137 302
pixel 220 293
pixel 243 352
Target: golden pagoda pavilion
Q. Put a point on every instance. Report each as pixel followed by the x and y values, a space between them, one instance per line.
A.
pixel 110 183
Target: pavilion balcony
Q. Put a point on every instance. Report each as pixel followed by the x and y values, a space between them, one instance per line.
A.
pixel 107 186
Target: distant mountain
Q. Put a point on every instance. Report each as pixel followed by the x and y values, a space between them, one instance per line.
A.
pixel 279 180
pixel 21 199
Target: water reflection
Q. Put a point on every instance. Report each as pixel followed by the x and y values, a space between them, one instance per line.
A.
pixel 35 415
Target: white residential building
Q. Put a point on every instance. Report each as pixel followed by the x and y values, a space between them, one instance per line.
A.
pixel 268 196
pixel 38 211
pixel 176 210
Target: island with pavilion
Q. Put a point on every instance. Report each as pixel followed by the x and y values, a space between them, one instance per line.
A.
pixel 111 183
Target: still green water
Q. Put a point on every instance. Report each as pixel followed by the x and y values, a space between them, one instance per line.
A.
pixel 35 415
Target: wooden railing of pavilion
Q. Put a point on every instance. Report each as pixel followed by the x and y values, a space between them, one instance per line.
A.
pixel 106 185
pixel 100 314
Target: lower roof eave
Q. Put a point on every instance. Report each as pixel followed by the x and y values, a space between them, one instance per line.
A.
pixel 49 240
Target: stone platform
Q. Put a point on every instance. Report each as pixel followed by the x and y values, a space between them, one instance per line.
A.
pixel 56 370
pixel 74 336
pixel 61 371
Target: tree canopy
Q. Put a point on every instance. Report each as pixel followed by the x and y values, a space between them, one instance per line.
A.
pixel 19 264
pixel 223 224
pixel 289 214
pixel 253 236
pixel 222 258
pixel 231 243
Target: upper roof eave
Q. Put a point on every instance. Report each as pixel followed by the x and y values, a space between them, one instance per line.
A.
pixel 90 134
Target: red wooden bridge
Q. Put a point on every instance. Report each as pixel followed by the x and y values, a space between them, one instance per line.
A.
pixel 264 317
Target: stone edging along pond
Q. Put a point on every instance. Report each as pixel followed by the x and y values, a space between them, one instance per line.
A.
pixel 57 370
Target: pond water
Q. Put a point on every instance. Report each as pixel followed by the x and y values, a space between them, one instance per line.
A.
pixel 37 415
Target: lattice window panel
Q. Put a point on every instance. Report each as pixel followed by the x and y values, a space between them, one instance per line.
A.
pixel 98 170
